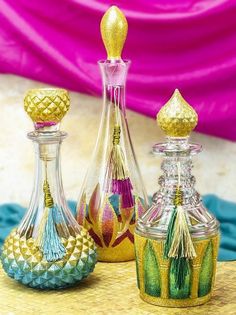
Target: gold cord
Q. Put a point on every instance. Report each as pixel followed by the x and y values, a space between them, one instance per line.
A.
pixel 178 197
pixel 48 200
pixel 116 135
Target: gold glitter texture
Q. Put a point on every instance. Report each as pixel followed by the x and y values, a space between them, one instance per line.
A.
pixel 20 253
pixel 114 238
pixel 122 252
pixel 177 118
pixel 46 105
pixel 23 249
pixel 114 28
pixel 199 272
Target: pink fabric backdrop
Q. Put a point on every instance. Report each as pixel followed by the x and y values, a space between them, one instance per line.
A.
pixel 186 44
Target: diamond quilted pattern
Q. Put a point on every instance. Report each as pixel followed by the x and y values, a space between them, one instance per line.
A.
pixel 24 262
pixel 47 105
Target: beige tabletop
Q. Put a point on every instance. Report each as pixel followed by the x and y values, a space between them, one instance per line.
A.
pixel 110 290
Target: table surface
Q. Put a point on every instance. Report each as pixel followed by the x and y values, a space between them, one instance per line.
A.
pixel 110 289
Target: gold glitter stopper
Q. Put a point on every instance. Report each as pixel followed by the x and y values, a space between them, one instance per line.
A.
pixel 177 118
pixel 114 28
pixel 47 105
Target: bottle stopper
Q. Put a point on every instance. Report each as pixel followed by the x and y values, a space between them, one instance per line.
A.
pixel 46 107
pixel 114 28
pixel 177 118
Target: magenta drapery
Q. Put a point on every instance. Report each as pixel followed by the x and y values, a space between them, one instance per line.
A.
pixel 183 44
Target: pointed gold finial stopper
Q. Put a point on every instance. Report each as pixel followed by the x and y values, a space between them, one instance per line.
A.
pixel 177 118
pixel 46 107
pixel 114 28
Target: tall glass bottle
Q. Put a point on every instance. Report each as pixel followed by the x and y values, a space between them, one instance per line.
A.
pixel 113 195
pixel 49 250
pixel 176 240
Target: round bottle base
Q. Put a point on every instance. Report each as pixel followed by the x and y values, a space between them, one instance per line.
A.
pixel 23 261
pixel 156 276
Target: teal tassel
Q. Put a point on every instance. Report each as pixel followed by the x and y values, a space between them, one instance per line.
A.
pixel 52 247
pixel 180 264
pixel 178 246
pixel 180 271
pixel 170 232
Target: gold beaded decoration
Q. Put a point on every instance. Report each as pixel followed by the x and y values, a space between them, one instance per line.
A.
pixel 114 28
pixel 47 105
pixel 177 118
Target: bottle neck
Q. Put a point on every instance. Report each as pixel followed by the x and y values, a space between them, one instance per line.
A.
pixel 114 75
pixel 48 189
pixel 177 166
pixel 177 174
pixel 48 168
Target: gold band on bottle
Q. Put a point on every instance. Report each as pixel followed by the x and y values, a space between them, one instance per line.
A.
pixel 163 266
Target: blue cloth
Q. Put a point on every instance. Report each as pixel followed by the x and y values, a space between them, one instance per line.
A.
pixel 225 211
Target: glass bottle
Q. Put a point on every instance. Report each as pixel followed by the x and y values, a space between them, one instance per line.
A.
pixel 177 238
pixel 113 196
pixel 49 250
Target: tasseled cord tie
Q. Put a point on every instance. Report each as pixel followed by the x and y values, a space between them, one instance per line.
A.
pixel 121 183
pixel 178 245
pixel 116 135
pixel 48 240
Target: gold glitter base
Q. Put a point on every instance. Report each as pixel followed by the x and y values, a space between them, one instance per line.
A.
pixel 23 260
pixel 122 252
pixel 175 302
pixel 160 268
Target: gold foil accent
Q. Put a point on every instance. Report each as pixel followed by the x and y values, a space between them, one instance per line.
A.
pixel 164 299
pixel 46 105
pixel 114 28
pixel 177 118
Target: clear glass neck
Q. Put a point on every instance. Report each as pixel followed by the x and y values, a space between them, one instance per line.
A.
pixel 114 75
pixel 176 166
pixel 47 171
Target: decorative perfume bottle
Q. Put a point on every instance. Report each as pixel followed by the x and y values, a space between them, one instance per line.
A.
pixel 176 240
pixel 49 250
pixel 113 195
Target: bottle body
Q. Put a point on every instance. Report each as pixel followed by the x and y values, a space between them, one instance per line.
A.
pixel 158 277
pixel 112 196
pixel 49 250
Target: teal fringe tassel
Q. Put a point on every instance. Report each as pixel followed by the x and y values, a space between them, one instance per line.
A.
pixel 180 264
pixel 52 247
pixel 170 232
pixel 180 271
